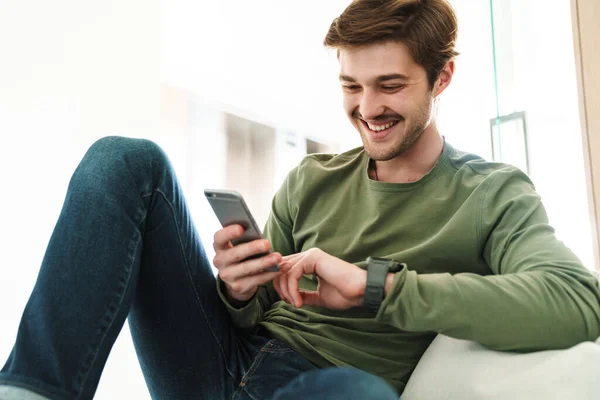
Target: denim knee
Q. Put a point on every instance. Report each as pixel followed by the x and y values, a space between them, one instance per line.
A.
pixel 115 148
pixel 114 160
pixel 337 383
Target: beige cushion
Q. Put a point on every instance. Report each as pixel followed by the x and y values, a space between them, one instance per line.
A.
pixel 464 370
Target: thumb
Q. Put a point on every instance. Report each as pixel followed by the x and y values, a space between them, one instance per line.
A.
pixel 310 298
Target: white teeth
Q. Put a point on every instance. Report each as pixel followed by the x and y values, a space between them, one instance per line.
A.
pixel 379 128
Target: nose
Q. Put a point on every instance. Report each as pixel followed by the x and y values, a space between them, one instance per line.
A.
pixel 371 105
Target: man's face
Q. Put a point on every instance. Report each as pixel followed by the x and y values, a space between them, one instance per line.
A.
pixel 386 96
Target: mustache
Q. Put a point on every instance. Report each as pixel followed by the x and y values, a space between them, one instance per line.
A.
pixel 382 117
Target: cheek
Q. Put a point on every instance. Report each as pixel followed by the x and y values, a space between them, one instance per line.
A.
pixel 400 104
pixel 350 104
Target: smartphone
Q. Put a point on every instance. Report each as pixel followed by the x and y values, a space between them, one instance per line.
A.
pixel 230 208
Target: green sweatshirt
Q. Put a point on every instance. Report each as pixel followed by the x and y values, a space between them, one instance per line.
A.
pixel 483 264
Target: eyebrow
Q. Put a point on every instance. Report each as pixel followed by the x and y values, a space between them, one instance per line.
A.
pixel 379 79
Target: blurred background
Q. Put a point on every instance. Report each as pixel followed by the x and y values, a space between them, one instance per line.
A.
pixel 237 93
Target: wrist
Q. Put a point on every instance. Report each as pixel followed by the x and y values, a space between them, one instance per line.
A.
pixel 362 285
pixel 237 302
pixel 389 282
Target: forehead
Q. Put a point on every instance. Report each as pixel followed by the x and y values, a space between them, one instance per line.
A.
pixel 366 62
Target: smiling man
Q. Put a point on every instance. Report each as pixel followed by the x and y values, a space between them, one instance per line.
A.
pixel 380 249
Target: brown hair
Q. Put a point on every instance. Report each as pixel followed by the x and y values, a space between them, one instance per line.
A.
pixel 428 28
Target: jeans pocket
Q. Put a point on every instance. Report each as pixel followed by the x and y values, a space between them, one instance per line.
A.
pixel 274 366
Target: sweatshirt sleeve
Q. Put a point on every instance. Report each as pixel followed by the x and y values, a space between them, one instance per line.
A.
pixel 278 230
pixel 539 297
pixel 246 317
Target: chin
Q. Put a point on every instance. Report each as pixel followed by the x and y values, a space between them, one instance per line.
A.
pixel 388 151
pixel 380 152
pixel 380 156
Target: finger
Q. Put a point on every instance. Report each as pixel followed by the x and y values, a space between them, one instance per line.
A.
pixel 292 257
pixel 288 262
pixel 224 236
pixel 242 251
pixel 293 277
pixel 251 282
pixel 250 267
pixel 310 298
pixel 283 284
pixel 277 286
pixel 285 266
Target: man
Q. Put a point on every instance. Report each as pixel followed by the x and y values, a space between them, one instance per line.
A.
pixel 455 245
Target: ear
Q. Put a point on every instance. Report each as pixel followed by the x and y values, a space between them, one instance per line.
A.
pixel 444 78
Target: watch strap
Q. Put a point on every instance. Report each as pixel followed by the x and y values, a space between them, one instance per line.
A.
pixel 377 271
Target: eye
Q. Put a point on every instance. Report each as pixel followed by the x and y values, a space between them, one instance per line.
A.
pixel 392 88
pixel 351 88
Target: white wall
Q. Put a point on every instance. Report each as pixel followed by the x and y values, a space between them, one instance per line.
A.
pixel 271 65
pixel 70 72
pixel 469 102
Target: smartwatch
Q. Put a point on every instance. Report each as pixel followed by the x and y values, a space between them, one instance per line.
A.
pixel 377 270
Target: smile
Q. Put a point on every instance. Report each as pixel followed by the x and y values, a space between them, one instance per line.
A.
pixel 379 132
pixel 380 128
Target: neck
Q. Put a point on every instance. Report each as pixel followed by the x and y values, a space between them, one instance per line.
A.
pixel 415 162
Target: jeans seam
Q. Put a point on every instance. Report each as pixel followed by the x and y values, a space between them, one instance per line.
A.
pixel 112 311
pixel 277 350
pixel 191 281
pixel 257 361
pixel 276 346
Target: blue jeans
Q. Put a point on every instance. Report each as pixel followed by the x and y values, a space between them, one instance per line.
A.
pixel 125 246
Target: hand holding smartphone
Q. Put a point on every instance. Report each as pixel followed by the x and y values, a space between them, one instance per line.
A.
pixel 230 208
